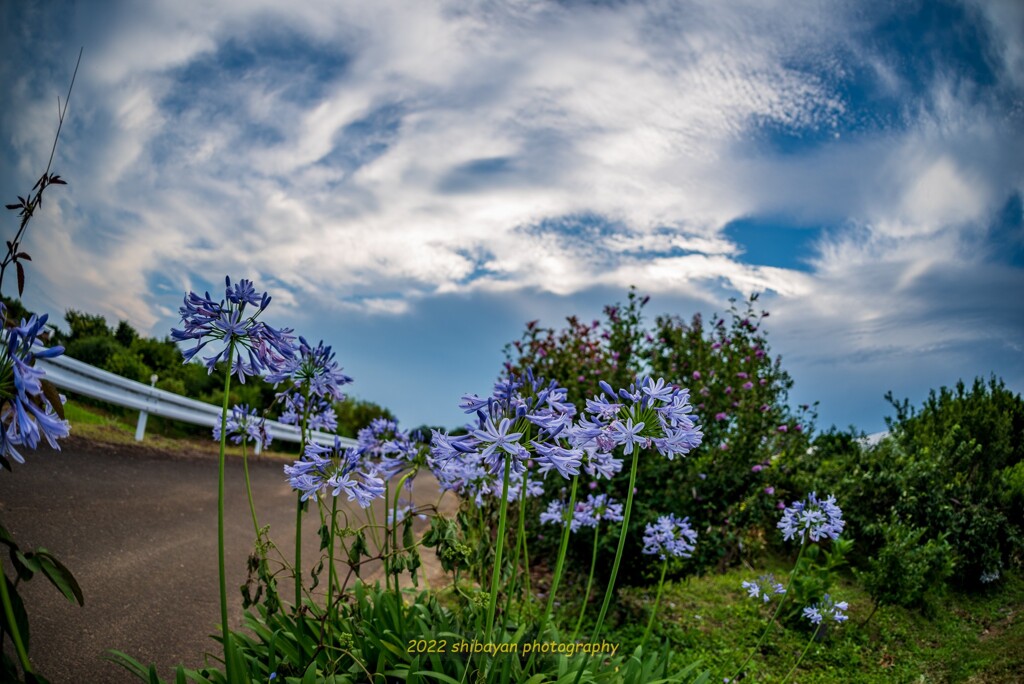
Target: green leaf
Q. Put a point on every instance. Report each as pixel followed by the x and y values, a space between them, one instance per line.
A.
pixel 310 675
pixel 60 576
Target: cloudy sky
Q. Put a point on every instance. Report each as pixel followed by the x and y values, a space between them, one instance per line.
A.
pixel 413 181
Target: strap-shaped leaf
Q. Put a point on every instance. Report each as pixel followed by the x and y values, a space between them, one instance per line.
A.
pixel 59 575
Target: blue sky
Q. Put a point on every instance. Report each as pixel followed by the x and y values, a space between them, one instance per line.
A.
pixel 413 181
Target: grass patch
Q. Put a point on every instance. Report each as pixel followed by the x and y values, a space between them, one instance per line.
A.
pixel 969 638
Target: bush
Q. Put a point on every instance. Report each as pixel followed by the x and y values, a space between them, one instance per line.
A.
pixel 732 486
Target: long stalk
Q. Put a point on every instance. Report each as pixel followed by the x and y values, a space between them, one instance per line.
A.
pixel 520 541
pixel 228 664
pixel 298 508
pixel 19 645
pixel 590 582
pixel 496 571
pixel 560 563
pixel 657 601
pixel 331 579
pixel 248 490
pixel 610 591
pixel 800 659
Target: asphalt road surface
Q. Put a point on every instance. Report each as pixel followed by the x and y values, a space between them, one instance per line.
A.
pixel 138 529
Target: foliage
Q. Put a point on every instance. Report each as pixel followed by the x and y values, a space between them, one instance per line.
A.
pixel 732 487
pixel 937 498
pixel 907 567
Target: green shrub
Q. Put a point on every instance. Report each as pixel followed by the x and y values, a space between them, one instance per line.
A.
pixel 907 567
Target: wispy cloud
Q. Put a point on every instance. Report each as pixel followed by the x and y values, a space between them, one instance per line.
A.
pixel 367 158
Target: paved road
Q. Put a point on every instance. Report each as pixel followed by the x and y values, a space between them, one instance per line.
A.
pixel 138 528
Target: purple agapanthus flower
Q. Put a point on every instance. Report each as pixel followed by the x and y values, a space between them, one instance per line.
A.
pixel 27 413
pixel 321 415
pixel 670 536
pixel 827 610
pixel 257 347
pixel 313 369
pixel 764 588
pixel 245 424
pixel 812 519
pixel 334 467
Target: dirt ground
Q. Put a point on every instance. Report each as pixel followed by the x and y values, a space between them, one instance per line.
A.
pixel 138 529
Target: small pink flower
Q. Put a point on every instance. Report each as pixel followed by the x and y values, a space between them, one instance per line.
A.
pixel 799 428
pixel 783 428
pixel 780 505
pixel 728 390
pixel 735 404
pixel 769 490
pixel 716 345
pixel 724 446
pixel 704 391
pixel 742 375
pixel 759 353
pixel 763 382
pixel 764 408
pixel 721 416
pixel 748 385
pixel 696 375
pixel 581 378
pixel 758 468
pixel 593 485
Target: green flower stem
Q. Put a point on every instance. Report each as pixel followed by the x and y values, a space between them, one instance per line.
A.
pixel 496 571
pixel 387 536
pixel 560 563
pixel 657 601
pixel 610 591
pixel 220 519
pixel 394 513
pixel 800 659
pixel 298 509
pixel 520 541
pixel 590 583
pixel 248 490
pixel 331 576
pixel 778 609
pixel 19 645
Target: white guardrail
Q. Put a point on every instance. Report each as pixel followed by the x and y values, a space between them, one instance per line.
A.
pixel 75 376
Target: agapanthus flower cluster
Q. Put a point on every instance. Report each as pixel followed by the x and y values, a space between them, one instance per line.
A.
pixel 812 519
pixel 524 419
pixel 321 414
pixel 648 413
pixel 528 420
pixel 232 321
pixel 587 513
pixel 827 610
pixel 670 536
pixel 468 475
pixel 245 424
pixel 334 467
pixel 26 410
pixel 764 588
pixel 393 449
pixel 314 371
